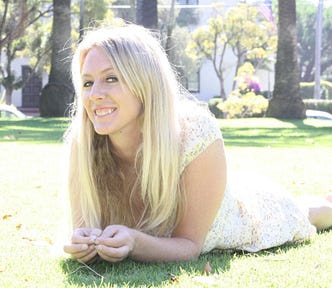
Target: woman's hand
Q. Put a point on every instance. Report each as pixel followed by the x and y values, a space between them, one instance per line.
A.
pixel 82 246
pixel 115 243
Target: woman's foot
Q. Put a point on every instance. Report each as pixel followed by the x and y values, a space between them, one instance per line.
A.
pixel 320 213
pixel 329 197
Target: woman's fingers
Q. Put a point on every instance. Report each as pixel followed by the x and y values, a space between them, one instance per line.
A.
pixel 85 235
pixel 114 236
pixel 82 252
pixel 112 254
pixel 75 248
pixel 89 257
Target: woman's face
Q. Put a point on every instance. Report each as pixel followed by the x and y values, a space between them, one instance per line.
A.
pixel 111 107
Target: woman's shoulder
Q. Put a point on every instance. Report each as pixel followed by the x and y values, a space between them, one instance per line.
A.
pixel 198 129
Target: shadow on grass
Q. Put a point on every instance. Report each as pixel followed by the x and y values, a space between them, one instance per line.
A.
pixel 34 130
pixel 135 274
pixel 296 134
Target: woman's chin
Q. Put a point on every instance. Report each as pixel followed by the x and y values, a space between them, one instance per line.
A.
pixel 102 130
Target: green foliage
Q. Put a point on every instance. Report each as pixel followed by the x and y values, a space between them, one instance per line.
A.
pixel 246 35
pixel 206 40
pixel 306 25
pixel 243 30
pixel 12 81
pixel 213 107
pixel 19 39
pixel 184 65
pixel 307 89
pixel 322 105
pixel 243 102
pixel 38 45
pixel 244 106
pixel 95 11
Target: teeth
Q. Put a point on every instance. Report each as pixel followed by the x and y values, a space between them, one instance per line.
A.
pixel 103 112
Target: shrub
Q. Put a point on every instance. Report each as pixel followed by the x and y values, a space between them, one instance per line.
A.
pixel 213 106
pixel 307 89
pixel 322 105
pixel 244 106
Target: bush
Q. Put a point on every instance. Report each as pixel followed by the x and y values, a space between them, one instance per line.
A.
pixel 213 106
pixel 307 89
pixel 322 105
pixel 245 106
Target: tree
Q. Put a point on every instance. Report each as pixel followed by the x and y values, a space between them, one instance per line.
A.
pixel 306 25
pixel 126 14
pixel 17 17
pixel 58 92
pixel 210 42
pixel 242 30
pixel 12 24
pixel 147 13
pixel 248 38
pixel 286 101
pixel 9 80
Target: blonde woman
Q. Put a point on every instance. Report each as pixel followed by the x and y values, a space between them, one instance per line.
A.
pixel 148 169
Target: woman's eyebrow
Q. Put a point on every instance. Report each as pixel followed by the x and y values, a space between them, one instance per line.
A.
pixel 103 71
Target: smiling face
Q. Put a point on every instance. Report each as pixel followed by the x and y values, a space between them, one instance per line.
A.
pixel 111 107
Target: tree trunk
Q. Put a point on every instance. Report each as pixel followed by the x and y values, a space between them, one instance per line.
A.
pixel 8 95
pixel 133 10
pixel 222 90
pixel 286 101
pixel 9 79
pixel 170 27
pixel 59 92
pixel 147 13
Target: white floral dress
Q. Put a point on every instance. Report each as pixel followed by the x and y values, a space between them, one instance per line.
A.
pixel 253 215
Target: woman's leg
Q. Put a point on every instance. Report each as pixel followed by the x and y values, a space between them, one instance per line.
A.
pixel 320 212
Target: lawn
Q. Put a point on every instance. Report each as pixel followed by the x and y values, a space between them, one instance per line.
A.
pixel 33 211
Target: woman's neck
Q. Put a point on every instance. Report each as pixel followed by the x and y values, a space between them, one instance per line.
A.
pixel 126 147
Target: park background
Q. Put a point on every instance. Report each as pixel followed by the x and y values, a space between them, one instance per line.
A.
pixel 296 153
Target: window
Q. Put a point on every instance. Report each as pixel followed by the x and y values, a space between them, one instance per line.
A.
pixel 187 2
pixel 191 81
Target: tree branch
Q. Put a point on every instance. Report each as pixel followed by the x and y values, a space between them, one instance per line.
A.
pixel 3 21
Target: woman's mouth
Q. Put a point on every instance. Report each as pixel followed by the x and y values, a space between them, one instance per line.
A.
pixel 104 111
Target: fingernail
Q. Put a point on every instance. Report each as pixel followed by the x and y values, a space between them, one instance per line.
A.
pixel 97 241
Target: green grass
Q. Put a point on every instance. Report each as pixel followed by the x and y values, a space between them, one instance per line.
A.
pixel 34 214
pixel 34 130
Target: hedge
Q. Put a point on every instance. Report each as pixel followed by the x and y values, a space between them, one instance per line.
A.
pixel 307 89
pixel 322 105
pixel 312 104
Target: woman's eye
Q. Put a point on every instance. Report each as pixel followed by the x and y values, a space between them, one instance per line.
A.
pixel 87 84
pixel 112 79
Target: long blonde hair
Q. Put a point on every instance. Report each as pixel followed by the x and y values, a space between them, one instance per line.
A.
pixel 137 56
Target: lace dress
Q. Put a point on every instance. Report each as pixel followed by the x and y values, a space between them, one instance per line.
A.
pixel 253 215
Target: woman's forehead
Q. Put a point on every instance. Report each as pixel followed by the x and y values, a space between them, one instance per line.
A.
pixel 96 59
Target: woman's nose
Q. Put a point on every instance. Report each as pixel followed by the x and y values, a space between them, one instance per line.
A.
pixel 97 92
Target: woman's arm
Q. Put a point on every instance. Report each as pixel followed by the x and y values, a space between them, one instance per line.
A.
pixel 204 180
pixel 81 246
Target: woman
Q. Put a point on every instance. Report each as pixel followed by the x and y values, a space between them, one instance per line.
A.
pixel 148 169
